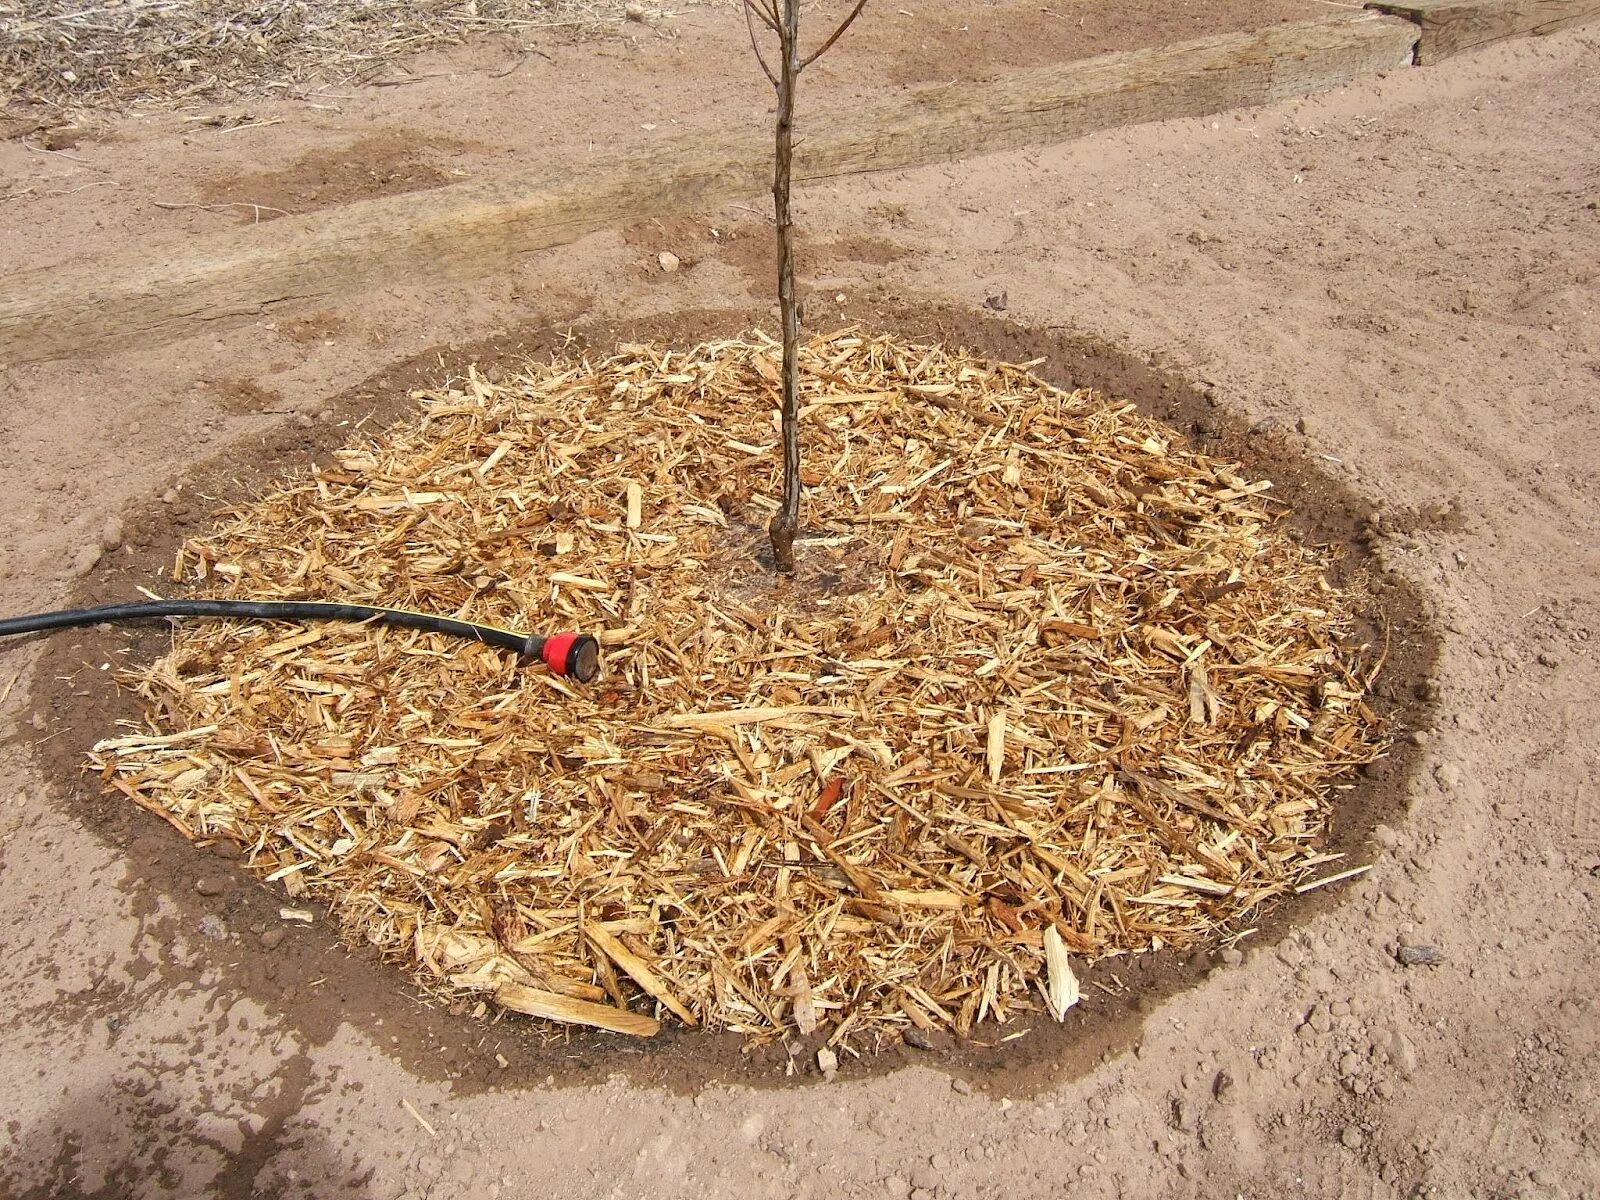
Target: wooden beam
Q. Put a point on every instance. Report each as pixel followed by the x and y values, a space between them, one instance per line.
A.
pixel 147 295
pixel 1450 26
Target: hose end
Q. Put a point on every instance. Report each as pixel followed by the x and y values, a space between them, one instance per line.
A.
pixel 574 655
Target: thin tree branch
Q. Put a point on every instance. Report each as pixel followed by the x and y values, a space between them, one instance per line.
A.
pixel 767 13
pixel 756 46
pixel 835 35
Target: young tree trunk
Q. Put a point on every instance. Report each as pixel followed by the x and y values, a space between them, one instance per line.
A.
pixel 786 521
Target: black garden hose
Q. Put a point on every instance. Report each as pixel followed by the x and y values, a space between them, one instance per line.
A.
pixel 575 655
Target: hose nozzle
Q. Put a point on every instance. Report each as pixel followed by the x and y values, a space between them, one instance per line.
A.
pixel 574 655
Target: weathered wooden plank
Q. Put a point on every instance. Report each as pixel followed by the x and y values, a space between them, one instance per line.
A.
pixel 1450 26
pixel 149 295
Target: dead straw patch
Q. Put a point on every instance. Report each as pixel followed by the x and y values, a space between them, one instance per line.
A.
pixel 1049 680
pixel 111 54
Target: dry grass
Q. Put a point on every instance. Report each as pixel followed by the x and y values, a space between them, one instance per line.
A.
pixel 1048 679
pixel 109 54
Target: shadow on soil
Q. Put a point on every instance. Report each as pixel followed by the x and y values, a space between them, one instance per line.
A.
pixel 316 985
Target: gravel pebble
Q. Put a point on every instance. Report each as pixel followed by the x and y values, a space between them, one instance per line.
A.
pixel 1403 1053
pixel 1352 1138
pixel 827 1063
pixel 272 938
pixel 85 560
pixel 209 885
pixel 1419 956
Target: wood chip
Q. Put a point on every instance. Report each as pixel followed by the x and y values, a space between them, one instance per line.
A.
pixel 537 1003
pixel 1061 985
pixel 997 746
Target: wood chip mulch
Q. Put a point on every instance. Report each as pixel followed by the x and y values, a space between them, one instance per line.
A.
pixel 1047 678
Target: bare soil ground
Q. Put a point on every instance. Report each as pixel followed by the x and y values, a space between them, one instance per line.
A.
pixel 1394 284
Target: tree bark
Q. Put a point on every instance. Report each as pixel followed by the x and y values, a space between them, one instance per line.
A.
pixel 786 521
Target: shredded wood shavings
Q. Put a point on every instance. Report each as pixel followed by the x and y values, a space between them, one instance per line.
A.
pixel 1047 677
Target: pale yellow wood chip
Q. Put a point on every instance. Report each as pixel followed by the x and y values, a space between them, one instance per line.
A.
pixel 535 1002
pixel 997 746
pixel 1061 985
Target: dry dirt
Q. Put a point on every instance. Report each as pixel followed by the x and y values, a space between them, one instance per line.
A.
pixel 1394 284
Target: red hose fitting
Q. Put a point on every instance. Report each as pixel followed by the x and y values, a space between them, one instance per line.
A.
pixel 574 655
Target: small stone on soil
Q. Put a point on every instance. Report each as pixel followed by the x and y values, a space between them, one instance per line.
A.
pixel 86 560
pixel 916 1039
pixel 1231 956
pixel 1403 1053
pixel 1419 956
pixel 827 1063
pixel 1352 1138
pixel 272 939
pixel 209 885
pixel 669 261
pixel 961 1087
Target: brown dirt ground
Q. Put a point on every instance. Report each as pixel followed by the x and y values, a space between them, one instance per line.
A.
pixel 1385 295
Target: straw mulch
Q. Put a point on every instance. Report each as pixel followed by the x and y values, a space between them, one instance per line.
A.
pixel 67 53
pixel 1047 675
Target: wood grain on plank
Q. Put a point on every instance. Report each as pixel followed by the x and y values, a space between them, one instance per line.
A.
pixel 156 294
pixel 1450 26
